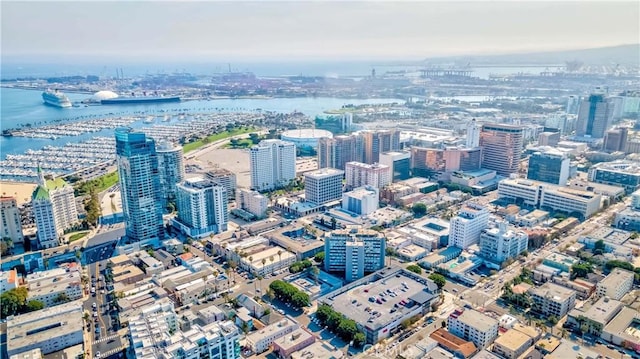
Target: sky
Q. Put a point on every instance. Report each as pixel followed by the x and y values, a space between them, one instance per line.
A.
pixel 337 30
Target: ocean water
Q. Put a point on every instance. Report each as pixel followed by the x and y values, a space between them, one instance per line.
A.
pixel 25 106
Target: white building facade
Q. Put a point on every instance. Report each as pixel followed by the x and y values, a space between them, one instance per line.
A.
pixel 501 243
pixel 272 164
pixel 362 200
pixel 202 207
pixel 466 227
pixel 252 202
pixel 323 185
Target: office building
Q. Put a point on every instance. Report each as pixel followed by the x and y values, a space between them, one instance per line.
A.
pixel 359 174
pixel 551 299
pixel 595 318
pixel 573 105
pixel 549 139
pixel 399 163
pixel 501 148
pixel 10 225
pixel 618 173
pixel 615 140
pixel 139 186
pixel 335 123
pixel 433 162
pixel 354 251
pixel 170 169
pixel 622 330
pixel 55 286
pixel 337 151
pixel 501 243
pixel 225 178
pixel 466 227
pixel 616 284
pixel 50 329
pixel 252 202
pixel 273 164
pixel 202 207
pixel 54 209
pixel 574 202
pixel 361 201
pixel 473 326
pixel 323 185
pixel 550 165
pixel 629 218
pixel 594 117
pixel 473 134
pixel 260 340
pixel 377 142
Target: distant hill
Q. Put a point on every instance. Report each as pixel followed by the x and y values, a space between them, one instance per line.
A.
pixel 623 54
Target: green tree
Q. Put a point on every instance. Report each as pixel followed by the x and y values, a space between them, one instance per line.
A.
pixel 414 268
pixel 618 264
pixel 581 270
pixel 34 305
pixel 438 279
pixel 419 209
pixel 13 301
pixel 359 339
pixel 62 298
pixel 319 257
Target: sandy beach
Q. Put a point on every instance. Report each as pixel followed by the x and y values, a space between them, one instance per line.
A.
pixel 21 191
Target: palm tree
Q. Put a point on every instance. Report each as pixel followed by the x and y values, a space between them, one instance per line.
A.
pixel 280 255
pixel 314 272
pixel 250 261
pixel 259 278
pixel 271 259
pixel 264 261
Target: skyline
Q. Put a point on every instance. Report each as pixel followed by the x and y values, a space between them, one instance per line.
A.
pixel 202 31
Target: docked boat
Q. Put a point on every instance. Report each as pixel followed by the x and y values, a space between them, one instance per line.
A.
pixel 56 99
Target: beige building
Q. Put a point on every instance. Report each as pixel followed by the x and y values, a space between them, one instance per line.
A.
pixel 512 344
pixel 54 287
pixel 10 225
pixel 615 285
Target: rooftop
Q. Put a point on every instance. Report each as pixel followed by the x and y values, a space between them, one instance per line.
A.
pixel 324 173
pixel 453 343
pixel 294 338
pixel 553 291
pixel 477 320
pixel 318 350
pixel 393 296
pixel 602 311
pixel 271 329
pixel 616 278
pixel 512 339
pixel 41 325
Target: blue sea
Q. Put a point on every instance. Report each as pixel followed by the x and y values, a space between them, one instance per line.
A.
pixel 25 106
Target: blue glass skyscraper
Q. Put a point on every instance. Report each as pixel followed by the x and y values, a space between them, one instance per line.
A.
pixel 139 186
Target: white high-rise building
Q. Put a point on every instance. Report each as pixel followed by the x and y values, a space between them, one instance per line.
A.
pixel 501 243
pixel 362 200
pixel 323 185
pixel 170 169
pixel 359 174
pixel 473 134
pixel 202 207
pixel 273 164
pixel 467 225
pixel 252 202
pixel 54 209
pixel 10 225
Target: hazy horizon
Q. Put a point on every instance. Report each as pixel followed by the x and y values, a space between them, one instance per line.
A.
pixel 306 31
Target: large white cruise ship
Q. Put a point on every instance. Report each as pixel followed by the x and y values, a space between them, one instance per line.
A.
pixel 56 98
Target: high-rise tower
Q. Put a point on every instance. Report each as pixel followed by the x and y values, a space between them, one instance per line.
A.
pixel 501 148
pixel 139 186
pixel 170 169
pixel 594 117
pixel 272 164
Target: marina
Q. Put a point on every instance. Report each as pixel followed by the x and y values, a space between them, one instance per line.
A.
pixel 100 150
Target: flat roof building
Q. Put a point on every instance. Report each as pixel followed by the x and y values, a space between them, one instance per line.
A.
pixel 50 329
pixel 596 317
pixel 323 185
pixel 552 300
pixel 260 340
pixel 616 284
pixel 512 344
pixel 405 295
pixel 473 326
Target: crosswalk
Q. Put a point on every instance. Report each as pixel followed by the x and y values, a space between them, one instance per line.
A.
pixel 111 352
pixel 102 340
